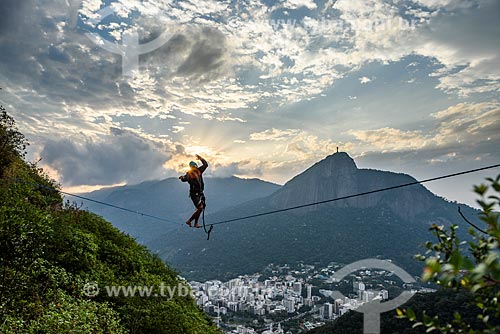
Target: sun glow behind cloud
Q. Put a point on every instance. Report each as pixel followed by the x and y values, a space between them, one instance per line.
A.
pixel 260 89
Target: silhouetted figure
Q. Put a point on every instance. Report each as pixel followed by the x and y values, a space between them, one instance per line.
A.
pixel 196 187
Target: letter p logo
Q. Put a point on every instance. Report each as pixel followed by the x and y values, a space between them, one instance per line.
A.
pixel 130 49
pixel 372 310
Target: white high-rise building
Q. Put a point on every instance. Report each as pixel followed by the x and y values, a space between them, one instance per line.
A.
pixel 358 286
pixel 234 283
pixel 297 288
pixel 336 306
pixel 328 311
pixel 289 305
pixel 309 291
pixel 233 306
pixel 368 296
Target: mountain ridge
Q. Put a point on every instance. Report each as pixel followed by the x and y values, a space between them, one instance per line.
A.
pixel 168 198
pixel 337 176
pixel 342 231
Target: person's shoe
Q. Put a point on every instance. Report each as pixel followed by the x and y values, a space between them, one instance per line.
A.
pixel 188 223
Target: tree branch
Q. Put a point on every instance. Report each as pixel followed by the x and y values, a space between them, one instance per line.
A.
pixel 470 223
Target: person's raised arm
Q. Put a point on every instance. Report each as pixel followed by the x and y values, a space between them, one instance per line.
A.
pixel 204 163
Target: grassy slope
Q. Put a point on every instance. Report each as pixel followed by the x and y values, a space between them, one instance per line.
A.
pixel 48 253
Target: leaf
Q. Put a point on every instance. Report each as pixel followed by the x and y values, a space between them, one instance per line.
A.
pixel 456 260
pixel 411 315
pixel 481 189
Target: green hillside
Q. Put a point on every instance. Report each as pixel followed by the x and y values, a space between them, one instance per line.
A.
pixel 318 237
pixel 443 303
pixel 49 251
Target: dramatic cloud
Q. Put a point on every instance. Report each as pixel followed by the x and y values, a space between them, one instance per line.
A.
pixel 469 55
pixel 242 168
pixel 274 134
pixel 206 55
pixel 256 85
pixel 121 156
pixel 463 131
pixel 389 139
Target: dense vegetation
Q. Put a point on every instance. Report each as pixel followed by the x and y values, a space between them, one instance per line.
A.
pixel 443 303
pixel 49 250
pixel 312 237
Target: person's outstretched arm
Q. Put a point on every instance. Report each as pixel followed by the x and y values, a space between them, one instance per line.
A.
pixel 204 163
pixel 184 178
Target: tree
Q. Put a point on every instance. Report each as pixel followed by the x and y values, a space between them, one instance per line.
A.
pixel 12 142
pixel 476 271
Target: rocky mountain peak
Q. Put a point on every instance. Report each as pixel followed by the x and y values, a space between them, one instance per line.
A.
pixel 340 159
pixel 339 164
pixel 337 175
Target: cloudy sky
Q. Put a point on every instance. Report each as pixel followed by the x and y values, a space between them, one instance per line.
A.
pixel 115 92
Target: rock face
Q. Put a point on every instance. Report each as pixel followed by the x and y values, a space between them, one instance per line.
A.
pixel 332 177
pixel 337 175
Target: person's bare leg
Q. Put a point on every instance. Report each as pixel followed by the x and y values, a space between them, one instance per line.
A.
pixel 193 217
pixel 197 215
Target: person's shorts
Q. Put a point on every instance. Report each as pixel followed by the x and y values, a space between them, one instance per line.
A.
pixel 198 198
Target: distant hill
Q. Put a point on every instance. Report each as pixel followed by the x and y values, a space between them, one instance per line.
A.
pixel 391 224
pixel 53 257
pixel 169 199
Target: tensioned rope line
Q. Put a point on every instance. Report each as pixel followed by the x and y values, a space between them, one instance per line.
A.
pixel 93 200
pixel 268 212
pixel 358 194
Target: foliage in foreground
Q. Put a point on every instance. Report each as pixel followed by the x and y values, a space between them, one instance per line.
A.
pixel 469 279
pixel 443 303
pixel 476 271
pixel 49 251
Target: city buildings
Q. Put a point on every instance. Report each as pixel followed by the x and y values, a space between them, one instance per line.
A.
pixel 288 294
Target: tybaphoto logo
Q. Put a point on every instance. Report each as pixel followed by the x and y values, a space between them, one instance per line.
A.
pixel 91 289
pixel 372 310
pixel 130 49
